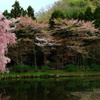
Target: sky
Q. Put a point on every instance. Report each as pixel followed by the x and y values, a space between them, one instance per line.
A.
pixel 36 4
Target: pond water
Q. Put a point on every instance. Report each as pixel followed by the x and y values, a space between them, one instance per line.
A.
pixel 50 89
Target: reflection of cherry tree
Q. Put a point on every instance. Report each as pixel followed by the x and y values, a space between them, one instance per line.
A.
pixel 3 97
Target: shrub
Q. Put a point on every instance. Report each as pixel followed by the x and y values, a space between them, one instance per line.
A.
pixel 70 67
pixel 26 68
pixel 21 68
pixel 95 67
pixel 55 15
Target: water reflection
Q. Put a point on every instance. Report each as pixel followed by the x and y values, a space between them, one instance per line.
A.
pixel 92 95
pixel 68 89
pixel 3 96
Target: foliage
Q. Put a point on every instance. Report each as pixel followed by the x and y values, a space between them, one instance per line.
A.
pixel 6 38
pixel 68 7
pixel 55 15
pixel 93 51
pixel 51 65
pixel 81 16
pixel 25 42
pixel 30 12
pixel 21 68
pixel 79 3
pixel 23 12
pixel 95 67
pixel 67 42
pixel 16 10
pixel 25 51
pixel 44 67
pixel 88 14
pixel 97 17
pixel 70 67
pixel 7 14
pixel 34 67
pixel 71 28
pixel 71 37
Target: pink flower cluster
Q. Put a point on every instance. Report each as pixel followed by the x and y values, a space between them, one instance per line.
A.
pixel 6 38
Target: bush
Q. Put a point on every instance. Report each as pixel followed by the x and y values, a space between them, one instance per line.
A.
pixel 70 67
pixel 55 15
pixel 26 68
pixel 21 68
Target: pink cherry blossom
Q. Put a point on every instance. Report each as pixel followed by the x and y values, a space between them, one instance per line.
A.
pixel 6 37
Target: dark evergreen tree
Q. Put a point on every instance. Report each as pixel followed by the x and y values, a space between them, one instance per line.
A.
pixel 30 12
pixel 88 16
pixel 75 15
pixel 6 14
pixel 16 10
pixel 23 12
pixel 81 16
pixel 56 14
pixel 97 17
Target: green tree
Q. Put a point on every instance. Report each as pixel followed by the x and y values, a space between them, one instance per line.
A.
pixel 56 14
pixel 23 12
pixel 7 14
pixel 75 15
pixel 30 12
pixel 16 10
pixel 97 17
pixel 88 16
pixel 81 16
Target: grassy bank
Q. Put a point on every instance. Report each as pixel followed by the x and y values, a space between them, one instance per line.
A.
pixel 49 74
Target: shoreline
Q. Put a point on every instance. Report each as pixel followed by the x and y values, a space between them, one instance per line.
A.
pixel 48 76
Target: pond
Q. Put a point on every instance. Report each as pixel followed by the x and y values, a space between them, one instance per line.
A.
pixel 50 89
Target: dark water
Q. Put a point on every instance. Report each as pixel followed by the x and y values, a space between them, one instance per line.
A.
pixel 51 89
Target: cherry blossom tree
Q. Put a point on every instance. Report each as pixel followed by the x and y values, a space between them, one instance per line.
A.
pixel 47 44
pixel 6 38
pixel 74 36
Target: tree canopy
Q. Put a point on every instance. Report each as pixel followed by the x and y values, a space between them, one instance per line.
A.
pixel 16 10
pixel 30 12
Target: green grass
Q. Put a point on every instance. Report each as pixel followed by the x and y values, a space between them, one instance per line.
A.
pixel 49 72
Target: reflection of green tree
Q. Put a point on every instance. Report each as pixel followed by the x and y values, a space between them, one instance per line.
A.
pixel 57 92
pixel 48 84
pixel 95 85
pixel 72 85
pixel 22 86
pixel 86 84
pixel 47 90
